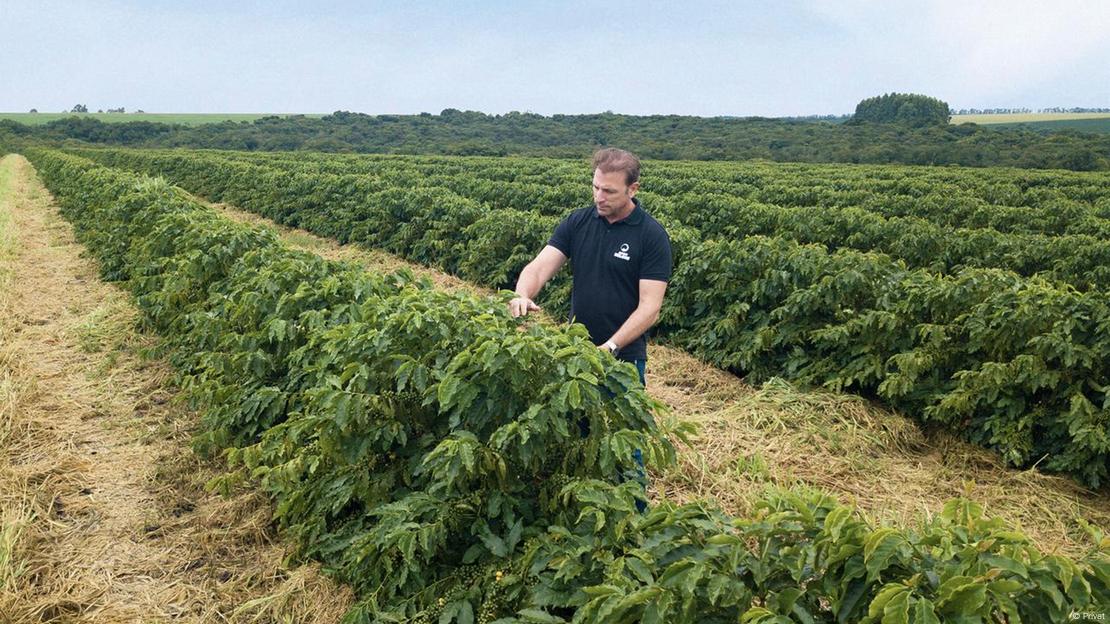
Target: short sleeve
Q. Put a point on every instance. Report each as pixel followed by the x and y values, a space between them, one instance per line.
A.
pixel 657 256
pixel 563 238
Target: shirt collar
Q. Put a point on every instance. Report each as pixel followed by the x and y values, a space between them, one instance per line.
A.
pixel 636 217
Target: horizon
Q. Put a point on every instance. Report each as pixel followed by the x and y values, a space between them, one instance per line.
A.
pixel 954 112
pixel 711 58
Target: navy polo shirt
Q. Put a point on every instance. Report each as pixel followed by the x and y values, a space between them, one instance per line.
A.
pixel 608 260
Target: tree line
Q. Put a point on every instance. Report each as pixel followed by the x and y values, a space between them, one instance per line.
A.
pixel 664 137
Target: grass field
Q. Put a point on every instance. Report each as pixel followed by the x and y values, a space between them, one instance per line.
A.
pixel 1101 124
pixel 1081 122
pixel 1027 118
pixel 189 119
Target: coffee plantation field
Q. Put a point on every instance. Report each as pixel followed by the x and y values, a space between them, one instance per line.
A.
pixel 405 444
pixel 426 447
pixel 970 299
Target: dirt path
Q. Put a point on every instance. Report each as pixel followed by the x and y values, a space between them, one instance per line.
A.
pixel 776 434
pixel 104 514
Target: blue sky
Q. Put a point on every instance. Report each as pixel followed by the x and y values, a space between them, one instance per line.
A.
pixel 792 57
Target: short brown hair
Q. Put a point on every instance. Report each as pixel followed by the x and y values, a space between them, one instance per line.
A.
pixel 612 159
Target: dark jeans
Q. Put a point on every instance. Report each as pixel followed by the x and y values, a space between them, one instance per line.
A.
pixel 638 472
pixel 637 455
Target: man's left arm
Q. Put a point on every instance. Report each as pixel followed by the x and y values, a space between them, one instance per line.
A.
pixel 645 314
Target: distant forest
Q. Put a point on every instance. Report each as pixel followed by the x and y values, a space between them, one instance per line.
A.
pixel 666 137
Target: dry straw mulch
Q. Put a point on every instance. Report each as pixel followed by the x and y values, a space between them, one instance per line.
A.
pixel 893 470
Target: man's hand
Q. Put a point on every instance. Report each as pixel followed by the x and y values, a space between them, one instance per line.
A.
pixel 521 306
pixel 532 278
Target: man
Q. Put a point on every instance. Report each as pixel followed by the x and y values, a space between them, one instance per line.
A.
pixel 621 258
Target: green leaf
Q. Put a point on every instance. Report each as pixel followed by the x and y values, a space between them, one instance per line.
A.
pixel 717 588
pixel 880 546
pixel 601 590
pixel 835 521
pixel 783 601
pixel 639 569
pixel 847 611
pixel 923 612
pixel 724 539
pixel 878 605
pixel 658 612
pixel 539 617
pixel 1005 586
pixel 574 395
pixel 675 570
pixel 964 600
pixel 897 610
pixel 951 585
pixel 639 597
pixel 755 614
pixel 466 613
pixel 494 543
pixel 447 390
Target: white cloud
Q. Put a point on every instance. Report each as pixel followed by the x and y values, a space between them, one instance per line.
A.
pixel 998 50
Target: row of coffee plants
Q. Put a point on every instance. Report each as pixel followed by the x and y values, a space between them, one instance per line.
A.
pixel 1081 260
pixel 729 209
pixel 453 465
pixel 853 183
pixel 1010 200
pixel 1015 364
pixel 720 209
pixel 1078 260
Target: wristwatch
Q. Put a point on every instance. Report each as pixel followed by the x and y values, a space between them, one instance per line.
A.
pixel 611 346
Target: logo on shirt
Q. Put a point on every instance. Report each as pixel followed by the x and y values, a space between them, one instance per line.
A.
pixel 623 253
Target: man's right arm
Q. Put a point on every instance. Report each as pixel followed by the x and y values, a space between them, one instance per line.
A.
pixel 541 269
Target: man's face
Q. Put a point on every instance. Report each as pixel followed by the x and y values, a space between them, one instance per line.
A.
pixel 611 194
